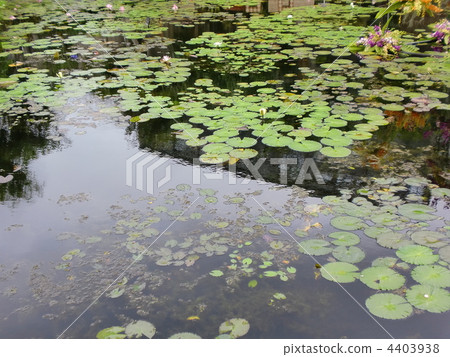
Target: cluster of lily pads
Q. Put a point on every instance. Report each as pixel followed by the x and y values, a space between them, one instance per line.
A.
pixel 232 328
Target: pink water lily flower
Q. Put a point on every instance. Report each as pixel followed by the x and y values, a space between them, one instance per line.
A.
pixel 122 8
pixel 174 7
pixel 165 59
pixel 109 6
pixel 68 14
pixel 12 17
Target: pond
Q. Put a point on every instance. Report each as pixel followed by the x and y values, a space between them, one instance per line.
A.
pixel 222 169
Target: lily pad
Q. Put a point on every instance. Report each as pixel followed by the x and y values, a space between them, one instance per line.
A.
pixel 429 298
pixel 429 238
pixel 337 151
pixel 393 240
pixel 184 336
pixel 347 223
pixel 349 254
pixel 344 238
pixel 417 254
pixel 417 211
pixel 389 306
pixel 434 275
pixel 340 272
pixel 382 278
pixel 140 328
pixel 115 332
pixel 236 327
pixel 315 247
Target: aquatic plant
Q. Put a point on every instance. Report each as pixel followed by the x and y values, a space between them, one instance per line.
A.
pixel 385 43
pixel 441 31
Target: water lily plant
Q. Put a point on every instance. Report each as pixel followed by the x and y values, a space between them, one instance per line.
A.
pixel 441 31
pixel 384 43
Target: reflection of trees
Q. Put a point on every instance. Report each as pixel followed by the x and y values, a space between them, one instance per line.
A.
pixel 20 142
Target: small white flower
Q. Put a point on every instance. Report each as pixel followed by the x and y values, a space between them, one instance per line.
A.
pixel 341 28
pixel 217 44
pixel 426 296
pixel 263 111
pixel 352 5
pixel 289 16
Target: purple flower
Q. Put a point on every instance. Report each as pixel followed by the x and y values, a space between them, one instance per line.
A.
pixel 438 35
pixel 380 43
pixel 371 43
pixel 397 48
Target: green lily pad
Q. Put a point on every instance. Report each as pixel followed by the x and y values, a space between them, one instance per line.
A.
pixel 434 275
pixel 114 332
pixel 444 253
pixel 344 238
pixel 241 143
pixel 139 328
pixel 216 273
pixel 429 298
pixel 243 153
pixel 279 296
pixel 429 238
pixel 210 158
pixel 277 141
pixel 236 327
pixel 417 211
pixel 315 247
pixel 340 272
pixel 337 151
pixel 305 146
pixel 417 254
pixel 349 254
pixel 393 240
pixel 375 232
pixel 382 278
pixel 440 192
pixel 184 336
pixel 347 223
pixel 389 306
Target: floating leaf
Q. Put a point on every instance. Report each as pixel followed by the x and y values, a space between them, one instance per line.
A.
pixel 347 223
pixel 114 332
pixel 139 328
pixel 429 298
pixel 433 275
pixel 236 327
pixel 417 254
pixel 315 247
pixel 382 278
pixel 115 293
pixel 337 151
pixel 252 283
pixel 429 238
pixel 417 211
pixel 344 238
pixel 184 335
pixel 216 273
pixel 393 240
pixel 340 272
pixel 279 296
pixel 389 306
pixel 348 254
